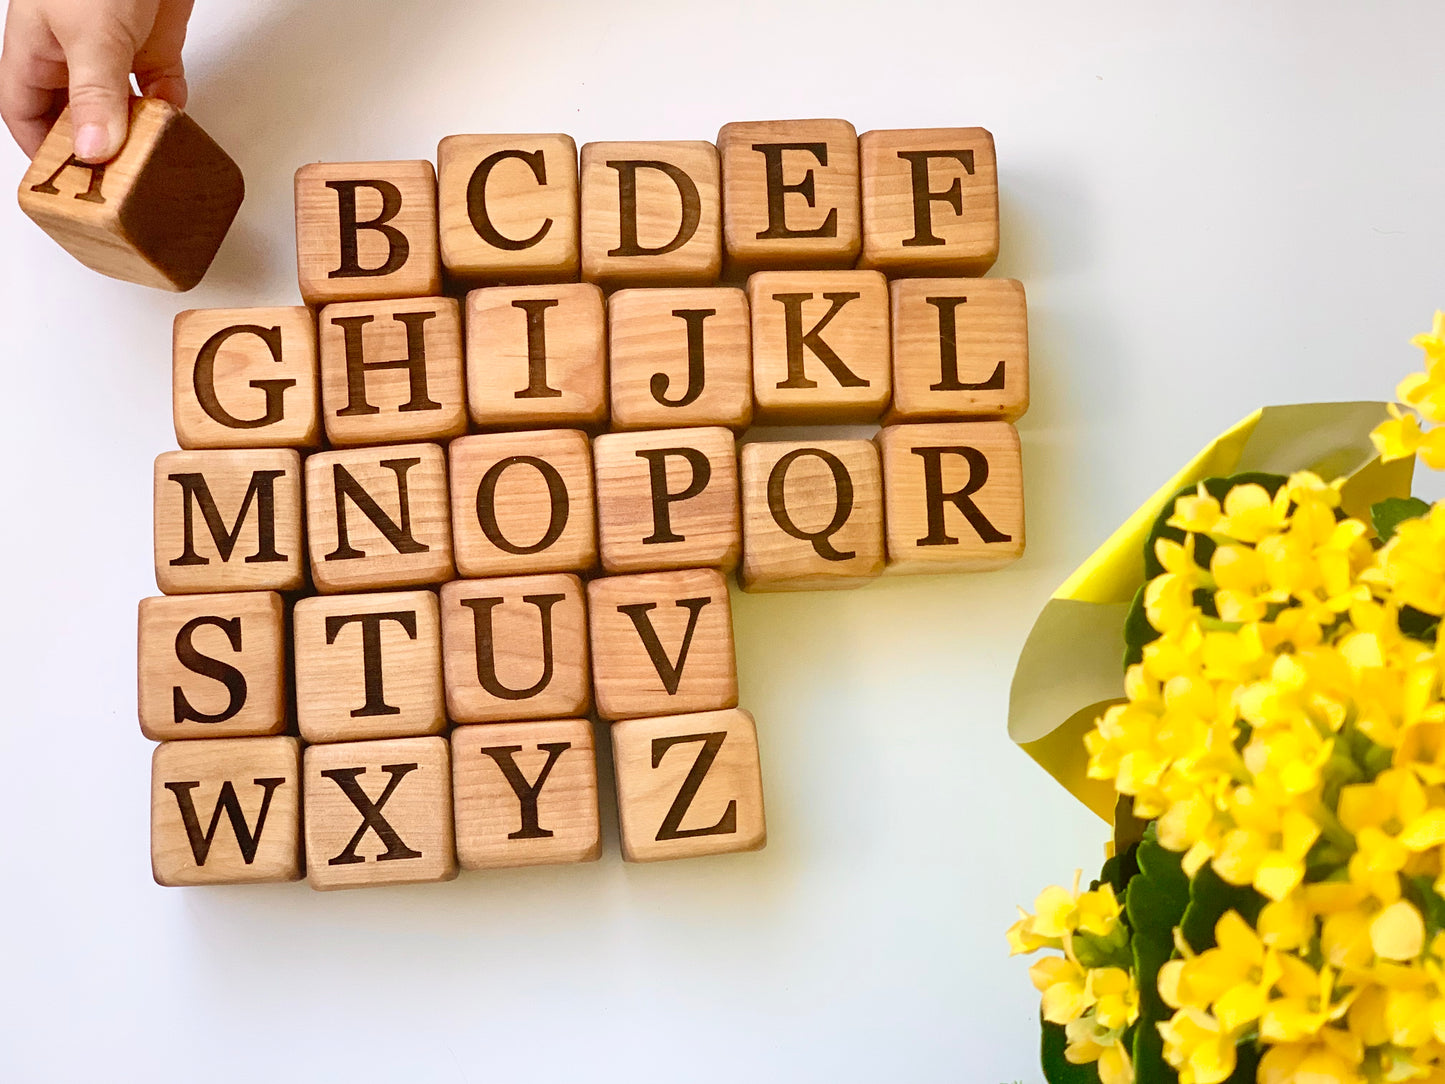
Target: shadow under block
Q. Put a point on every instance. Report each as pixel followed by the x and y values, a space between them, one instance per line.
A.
pixel 212 666
pixel 651 214
pixel 515 648
pixel 368 666
pixel 820 346
pixel 525 794
pixel 379 813
pixel 508 207
pixel 688 785
pixel 668 498
pixel 245 378
pixel 391 371
pixel 812 515
pixel 790 194
pixel 960 349
pixel 378 517
pixel 662 643
pixel 366 230
pixel 226 811
pixel 680 357
pixel 228 520
pixel 155 214
pixel 930 201
pixel 953 496
pixel 537 356
pixel 522 503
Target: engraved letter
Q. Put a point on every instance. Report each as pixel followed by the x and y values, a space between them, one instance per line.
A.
pixel 398 247
pixel 225 673
pixel 662 497
pixel 667 670
pixel 398 534
pixel 924 197
pixel 371 654
pixel 204 378
pixel 672 824
pixel 486 646
pixel 487 504
pixel 357 366
pixel 773 166
pixel 477 199
pixel 627 207
pixel 370 811
pixel 797 339
pixel 842 509
pixel 246 840
pixel 934 496
pixel 527 792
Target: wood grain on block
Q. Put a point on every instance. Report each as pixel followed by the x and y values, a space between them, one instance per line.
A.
pixel 812 515
pixel 391 371
pixel 226 811
pixel 680 357
pixel 228 520
pixel 790 194
pixel 688 785
pixel 154 214
pixel 662 643
pixel 509 208
pixel 522 503
pixel 953 496
pixel 378 517
pixel 212 666
pixel 537 356
pixel 668 498
pixel 368 666
pixel 820 346
pixel 379 813
pixel 651 214
pixel 245 378
pixel 930 201
pixel 525 794
pixel 515 648
pixel 960 349
pixel 366 230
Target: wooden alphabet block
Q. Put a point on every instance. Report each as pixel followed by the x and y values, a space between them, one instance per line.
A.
pixel 212 666
pixel 525 794
pixel 662 643
pixel 688 785
pixel 680 358
pixel 228 521
pixel 391 371
pixel 930 201
pixel 651 214
pixel 668 498
pixel 154 214
pixel 820 346
pixel 790 194
pixel 245 378
pixel 522 503
pixel 226 811
pixel 537 356
pixel 379 813
pixel 812 515
pixel 368 666
pixel 378 517
pixel 953 496
pixel 366 230
pixel 515 648
pixel 508 207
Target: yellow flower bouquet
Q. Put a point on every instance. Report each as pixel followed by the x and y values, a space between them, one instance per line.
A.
pixel 1274 909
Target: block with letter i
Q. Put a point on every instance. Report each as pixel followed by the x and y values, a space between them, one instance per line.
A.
pixel 688 785
pixel 953 496
pixel 155 214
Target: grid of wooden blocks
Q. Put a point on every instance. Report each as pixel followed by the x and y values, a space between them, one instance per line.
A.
pixel 416 551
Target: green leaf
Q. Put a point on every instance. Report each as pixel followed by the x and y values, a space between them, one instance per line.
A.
pixel 1210 896
pixel 1393 511
pixel 1418 625
pixel 1137 630
pixel 1057 1068
pixel 1155 903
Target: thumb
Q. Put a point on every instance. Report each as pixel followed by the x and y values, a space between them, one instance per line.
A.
pixel 99 67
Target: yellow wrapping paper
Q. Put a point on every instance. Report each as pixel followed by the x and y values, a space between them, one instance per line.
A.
pixel 1071 667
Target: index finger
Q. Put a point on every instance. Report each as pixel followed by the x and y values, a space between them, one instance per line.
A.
pixel 26 110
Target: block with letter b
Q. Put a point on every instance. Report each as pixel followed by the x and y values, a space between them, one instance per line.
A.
pixel 366 230
pixel 953 496
pixel 812 515
pixel 228 520
pixel 930 201
pixel 688 785
pixel 391 371
pixel 378 517
pixel 662 642
pixel 525 794
pixel 508 206
pixel 226 811
pixel 379 813
pixel 154 214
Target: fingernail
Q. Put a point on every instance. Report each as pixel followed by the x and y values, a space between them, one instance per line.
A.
pixel 92 141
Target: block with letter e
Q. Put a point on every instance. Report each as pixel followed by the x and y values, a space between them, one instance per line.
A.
pixel 688 785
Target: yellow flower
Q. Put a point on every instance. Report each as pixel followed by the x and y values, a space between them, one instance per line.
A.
pixel 1197 1046
pixel 1198 514
pixel 1333 1058
pixel 1305 1005
pixel 1064 986
pixel 1267 848
pixel 1398 932
pixel 1412 564
pixel 1401 437
pixel 1091 1042
pixel 1251 514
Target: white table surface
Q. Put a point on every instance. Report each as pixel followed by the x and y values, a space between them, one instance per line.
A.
pixel 1213 206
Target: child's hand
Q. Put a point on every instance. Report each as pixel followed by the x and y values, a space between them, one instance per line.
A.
pixel 83 52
